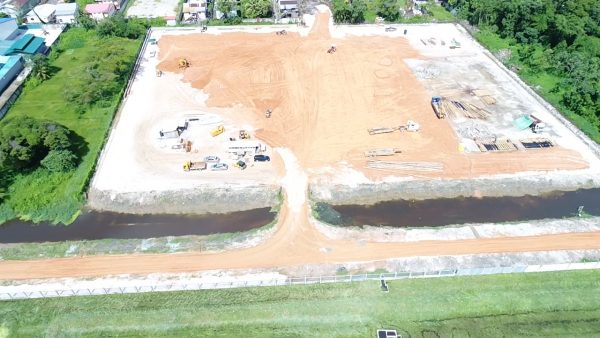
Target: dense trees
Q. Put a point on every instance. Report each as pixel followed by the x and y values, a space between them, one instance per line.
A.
pixel 255 8
pixel 41 67
pixel 25 143
pixel 557 37
pixel 349 12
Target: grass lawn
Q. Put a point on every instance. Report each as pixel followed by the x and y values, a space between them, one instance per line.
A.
pixel 41 195
pixel 563 304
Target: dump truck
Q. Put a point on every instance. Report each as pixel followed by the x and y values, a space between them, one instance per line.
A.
pixel 189 166
pixel 436 104
pixel 217 131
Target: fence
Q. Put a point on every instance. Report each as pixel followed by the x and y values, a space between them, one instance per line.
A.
pixel 13 292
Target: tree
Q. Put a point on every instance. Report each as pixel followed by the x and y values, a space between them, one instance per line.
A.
pixel 24 141
pixel 59 161
pixel 41 67
pixel 226 7
pixel 255 8
pixel 85 21
pixel 345 12
pixel 388 9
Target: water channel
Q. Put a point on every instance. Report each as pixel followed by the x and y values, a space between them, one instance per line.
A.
pixel 439 212
pixel 102 225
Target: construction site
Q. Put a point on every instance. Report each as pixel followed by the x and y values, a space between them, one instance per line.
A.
pixel 220 119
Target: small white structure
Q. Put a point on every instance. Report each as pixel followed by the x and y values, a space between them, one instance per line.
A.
pixel 66 13
pixel 287 5
pixel 8 28
pixel 99 11
pixel 41 14
pixel 194 10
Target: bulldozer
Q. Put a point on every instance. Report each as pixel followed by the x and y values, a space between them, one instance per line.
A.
pixel 183 63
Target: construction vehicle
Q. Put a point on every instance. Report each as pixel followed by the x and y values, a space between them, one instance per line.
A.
pixel 189 166
pixel 436 104
pixel 183 63
pixel 454 44
pixel 390 29
pixel 244 135
pixel 537 126
pixel 411 126
pixel 217 131
pixel 240 164
pixel 281 32
pixel 268 113
pixel 332 49
pixel 204 29
pixel 159 73
pixel 152 41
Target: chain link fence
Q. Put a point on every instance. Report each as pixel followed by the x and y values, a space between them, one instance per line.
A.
pixel 13 292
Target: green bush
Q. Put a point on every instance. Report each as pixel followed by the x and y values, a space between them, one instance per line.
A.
pixel 59 160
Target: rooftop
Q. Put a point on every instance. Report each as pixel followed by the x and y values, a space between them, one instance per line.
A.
pixel 43 11
pixel 103 7
pixel 66 9
pixel 3 20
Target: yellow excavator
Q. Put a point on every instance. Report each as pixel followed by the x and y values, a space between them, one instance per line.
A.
pixel 183 63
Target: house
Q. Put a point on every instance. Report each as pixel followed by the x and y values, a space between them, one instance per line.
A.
pixel 66 13
pixel 288 5
pixel 27 44
pixel 194 10
pixel 17 8
pixel 10 67
pixel 8 28
pixel 40 14
pixel 117 3
pixel 99 11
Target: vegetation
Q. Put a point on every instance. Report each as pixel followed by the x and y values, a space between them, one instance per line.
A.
pixel 44 176
pixel 360 11
pixel 554 45
pixel 255 8
pixel 557 304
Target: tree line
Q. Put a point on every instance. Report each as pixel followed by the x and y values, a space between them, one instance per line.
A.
pixel 557 37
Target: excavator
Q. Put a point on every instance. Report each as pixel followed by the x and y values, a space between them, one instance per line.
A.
pixel 183 63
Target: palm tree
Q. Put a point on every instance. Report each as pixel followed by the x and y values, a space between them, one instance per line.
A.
pixel 41 68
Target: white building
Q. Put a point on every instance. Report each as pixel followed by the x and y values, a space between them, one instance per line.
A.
pixel 66 13
pixel 41 14
pixel 288 5
pixel 194 10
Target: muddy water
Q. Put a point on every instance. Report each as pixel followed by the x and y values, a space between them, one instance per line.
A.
pixel 438 212
pixel 107 225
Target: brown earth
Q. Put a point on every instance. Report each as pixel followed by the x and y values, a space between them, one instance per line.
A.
pixel 323 103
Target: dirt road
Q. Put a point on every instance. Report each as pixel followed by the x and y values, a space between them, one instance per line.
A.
pixel 298 125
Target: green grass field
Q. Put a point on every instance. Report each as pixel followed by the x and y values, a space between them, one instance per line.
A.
pixel 564 304
pixel 41 195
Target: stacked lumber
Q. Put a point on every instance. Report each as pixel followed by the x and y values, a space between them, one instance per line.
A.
pixel 409 166
pixel 458 109
pixel 382 152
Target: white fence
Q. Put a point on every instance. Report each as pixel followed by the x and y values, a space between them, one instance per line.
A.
pixel 13 292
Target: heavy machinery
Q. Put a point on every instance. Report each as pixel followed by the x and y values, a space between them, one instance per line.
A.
pixel 436 104
pixel 332 49
pixel 244 135
pixel 268 113
pixel 183 63
pixel 189 166
pixel 281 32
pixel 159 73
pixel 409 126
pixel 217 131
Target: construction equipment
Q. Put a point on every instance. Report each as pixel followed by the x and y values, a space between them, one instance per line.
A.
pixel 436 104
pixel 183 63
pixel 382 152
pixel 332 49
pixel 174 133
pixel 189 166
pixel 240 164
pixel 281 32
pixel 244 135
pixel 217 131
pixel 268 113
pixel 409 126
pixel 159 73
pixel 204 29
pixel 537 126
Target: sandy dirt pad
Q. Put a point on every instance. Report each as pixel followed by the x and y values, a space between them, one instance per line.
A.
pixel 323 103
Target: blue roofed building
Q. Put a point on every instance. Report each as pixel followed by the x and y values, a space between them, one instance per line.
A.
pixel 10 67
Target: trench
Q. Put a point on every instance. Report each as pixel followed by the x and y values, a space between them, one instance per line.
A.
pixel 450 211
pixel 95 225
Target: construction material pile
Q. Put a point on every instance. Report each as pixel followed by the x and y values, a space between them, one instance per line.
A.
pixel 425 73
pixel 458 109
pixel 472 130
pixel 408 166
